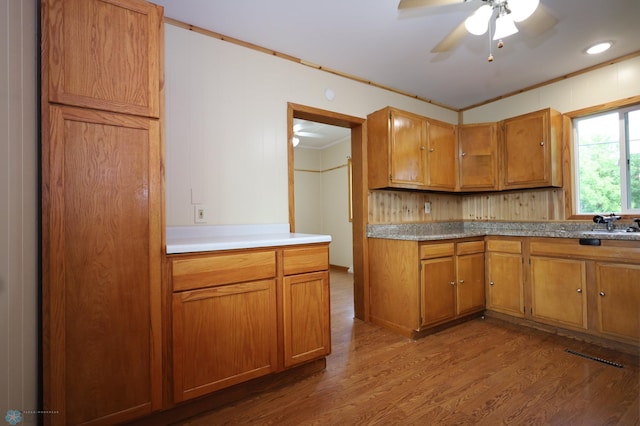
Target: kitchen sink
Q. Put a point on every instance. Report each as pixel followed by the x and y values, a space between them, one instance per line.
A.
pixel 614 231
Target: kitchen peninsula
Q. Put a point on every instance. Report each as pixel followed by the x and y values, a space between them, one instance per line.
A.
pixel 246 301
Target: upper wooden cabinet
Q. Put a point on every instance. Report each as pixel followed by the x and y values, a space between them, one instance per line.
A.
pixel 410 151
pixel 442 164
pixel 478 157
pixel 103 54
pixel 532 150
pixel 397 143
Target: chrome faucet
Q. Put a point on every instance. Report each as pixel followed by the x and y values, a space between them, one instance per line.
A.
pixel 608 220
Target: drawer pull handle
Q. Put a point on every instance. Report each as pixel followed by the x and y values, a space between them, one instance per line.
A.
pixel 602 293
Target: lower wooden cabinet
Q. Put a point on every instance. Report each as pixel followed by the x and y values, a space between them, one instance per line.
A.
pixel 223 335
pixel 306 316
pixel 618 294
pixel 242 314
pixel 505 286
pixel 415 286
pixel 591 289
pixel 559 291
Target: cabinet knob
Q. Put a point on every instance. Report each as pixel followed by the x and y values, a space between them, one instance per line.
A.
pixel 602 293
pixel 542 143
pixel 422 148
pixel 579 290
pixel 431 149
pixel 490 282
pixel 461 281
pixel 464 153
pixel 452 282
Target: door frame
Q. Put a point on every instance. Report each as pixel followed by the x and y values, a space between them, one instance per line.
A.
pixel 358 192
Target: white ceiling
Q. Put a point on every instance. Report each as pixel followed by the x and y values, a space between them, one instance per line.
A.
pixel 369 39
pixel 314 135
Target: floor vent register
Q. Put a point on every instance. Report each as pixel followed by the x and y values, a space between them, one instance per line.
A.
pixel 595 358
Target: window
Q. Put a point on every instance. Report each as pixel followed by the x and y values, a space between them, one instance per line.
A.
pixel 607 162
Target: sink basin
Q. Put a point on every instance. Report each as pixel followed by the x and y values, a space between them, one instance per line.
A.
pixel 614 231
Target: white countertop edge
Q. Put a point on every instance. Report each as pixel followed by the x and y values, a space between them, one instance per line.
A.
pixel 204 243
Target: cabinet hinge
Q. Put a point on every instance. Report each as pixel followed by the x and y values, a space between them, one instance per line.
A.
pixel 390 115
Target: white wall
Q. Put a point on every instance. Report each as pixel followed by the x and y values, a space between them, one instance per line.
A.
pixel 322 197
pixel 610 83
pixel 307 177
pixel 19 211
pixel 226 125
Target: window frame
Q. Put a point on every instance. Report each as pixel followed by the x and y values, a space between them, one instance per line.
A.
pixel 571 211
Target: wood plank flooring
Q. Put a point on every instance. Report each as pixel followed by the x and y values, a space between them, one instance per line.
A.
pixel 483 372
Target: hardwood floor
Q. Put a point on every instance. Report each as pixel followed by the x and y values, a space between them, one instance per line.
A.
pixel 483 372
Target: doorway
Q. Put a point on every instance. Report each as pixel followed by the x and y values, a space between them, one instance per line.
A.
pixel 358 195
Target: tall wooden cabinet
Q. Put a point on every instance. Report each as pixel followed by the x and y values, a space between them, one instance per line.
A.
pixel 102 210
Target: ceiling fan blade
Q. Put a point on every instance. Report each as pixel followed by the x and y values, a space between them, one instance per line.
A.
pixel 410 4
pixel 451 40
pixel 540 22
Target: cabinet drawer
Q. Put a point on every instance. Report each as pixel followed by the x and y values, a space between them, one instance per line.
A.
pixel 221 269
pixel 307 259
pixel 504 246
pixel 470 247
pixel 625 251
pixel 428 251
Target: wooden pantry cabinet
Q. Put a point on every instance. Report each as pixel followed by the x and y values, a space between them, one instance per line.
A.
pixel 532 150
pixel 242 314
pixel 410 151
pixel 417 286
pixel 102 211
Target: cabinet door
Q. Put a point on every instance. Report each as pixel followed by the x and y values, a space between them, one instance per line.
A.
pixel 505 283
pixel 559 291
pixel 101 235
pixel 438 290
pixel 470 286
pixel 477 156
pixel 442 159
pixel 619 300
pixel 103 54
pixel 306 317
pixel 527 151
pixel 408 147
pixel 222 336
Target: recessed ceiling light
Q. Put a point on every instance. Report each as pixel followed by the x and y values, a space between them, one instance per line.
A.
pixel 598 48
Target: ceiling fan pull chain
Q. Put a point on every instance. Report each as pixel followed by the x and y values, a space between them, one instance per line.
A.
pixel 490 58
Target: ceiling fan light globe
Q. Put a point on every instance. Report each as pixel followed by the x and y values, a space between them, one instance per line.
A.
pixel 478 23
pixel 522 9
pixel 504 27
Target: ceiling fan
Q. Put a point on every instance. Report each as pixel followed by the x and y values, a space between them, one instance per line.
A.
pixel 502 15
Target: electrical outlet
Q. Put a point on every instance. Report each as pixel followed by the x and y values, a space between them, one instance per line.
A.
pixel 199 214
pixel 427 207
